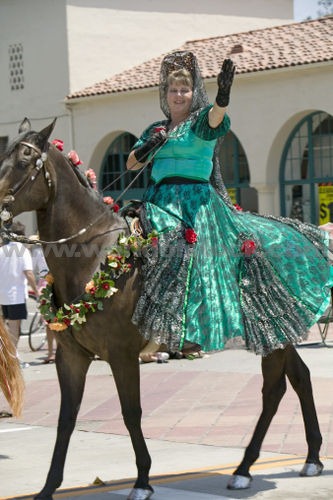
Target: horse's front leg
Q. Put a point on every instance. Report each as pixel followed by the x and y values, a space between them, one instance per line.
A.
pixel 274 387
pixel 299 377
pixel 125 368
pixel 72 365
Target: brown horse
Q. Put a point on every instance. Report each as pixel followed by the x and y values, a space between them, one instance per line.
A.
pixel 34 175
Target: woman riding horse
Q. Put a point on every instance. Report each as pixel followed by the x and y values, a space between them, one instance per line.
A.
pixel 272 275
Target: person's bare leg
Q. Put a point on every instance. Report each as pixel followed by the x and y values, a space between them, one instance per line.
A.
pixel 51 340
pixel 14 330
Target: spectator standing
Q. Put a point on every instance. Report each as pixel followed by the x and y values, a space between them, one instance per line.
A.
pixel 16 273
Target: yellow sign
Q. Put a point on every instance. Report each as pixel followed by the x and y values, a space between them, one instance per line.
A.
pixel 232 194
pixel 325 194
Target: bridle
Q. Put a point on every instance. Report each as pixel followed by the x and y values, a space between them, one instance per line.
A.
pixel 6 215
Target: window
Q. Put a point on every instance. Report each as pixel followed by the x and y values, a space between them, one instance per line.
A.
pixel 3 144
pixel 306 170
pixel 16 76
pixel 235 173
pixel 115 178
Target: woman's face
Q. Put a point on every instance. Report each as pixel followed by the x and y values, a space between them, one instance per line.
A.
pixel 179 98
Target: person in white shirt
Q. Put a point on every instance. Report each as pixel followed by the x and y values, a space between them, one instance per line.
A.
pixel 16 273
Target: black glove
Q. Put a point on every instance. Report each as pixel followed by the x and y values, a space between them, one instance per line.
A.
pixel 156 140
pixel 224 82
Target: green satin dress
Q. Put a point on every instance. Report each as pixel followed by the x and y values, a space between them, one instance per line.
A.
pixel 220 273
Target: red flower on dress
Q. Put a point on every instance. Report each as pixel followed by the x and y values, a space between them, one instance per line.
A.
pixel 74 158
pixel 59 144
pixel 190 235
pixel 238 207
pixel 248 247
pixel 154 241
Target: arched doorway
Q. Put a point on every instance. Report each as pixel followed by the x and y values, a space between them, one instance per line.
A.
pixel 114 177
pixel 236 174
pixel 306 170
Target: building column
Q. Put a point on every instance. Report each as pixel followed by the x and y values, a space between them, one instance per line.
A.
pixel 266 198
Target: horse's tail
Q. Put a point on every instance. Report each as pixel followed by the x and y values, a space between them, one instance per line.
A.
pixel 11 379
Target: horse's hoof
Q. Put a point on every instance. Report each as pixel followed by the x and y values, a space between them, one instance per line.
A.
pixel 311 470
pixel 140 494
pixel 237 482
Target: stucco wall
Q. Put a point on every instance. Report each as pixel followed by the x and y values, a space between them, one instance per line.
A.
pixel 264 109
pixel 40 26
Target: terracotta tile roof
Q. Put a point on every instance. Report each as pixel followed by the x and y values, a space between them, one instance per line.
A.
pixel 258 50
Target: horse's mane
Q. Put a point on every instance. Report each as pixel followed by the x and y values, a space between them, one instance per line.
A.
pixel 80 176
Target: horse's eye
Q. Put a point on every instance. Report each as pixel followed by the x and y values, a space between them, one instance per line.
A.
pixel 26 151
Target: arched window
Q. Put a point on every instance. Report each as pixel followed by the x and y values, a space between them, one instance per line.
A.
pixel 235 173
pixel 115 178
pixel 306 170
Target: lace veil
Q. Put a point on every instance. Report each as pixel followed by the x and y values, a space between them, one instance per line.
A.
pixel 185 59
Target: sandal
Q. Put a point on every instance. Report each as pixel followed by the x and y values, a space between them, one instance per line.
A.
pixel 149 357
pixel 5 414
pixel 48 361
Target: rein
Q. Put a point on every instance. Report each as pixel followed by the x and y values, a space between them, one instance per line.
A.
pixel 5 214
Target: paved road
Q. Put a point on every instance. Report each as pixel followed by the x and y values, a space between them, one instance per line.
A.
pixel 198 417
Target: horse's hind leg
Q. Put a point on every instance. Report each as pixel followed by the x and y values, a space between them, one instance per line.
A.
pixel 274 387
pixel 72 366
pixel 125 368
pixel 299 377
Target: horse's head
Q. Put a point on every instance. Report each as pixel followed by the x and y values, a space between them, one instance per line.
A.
pixel 25 182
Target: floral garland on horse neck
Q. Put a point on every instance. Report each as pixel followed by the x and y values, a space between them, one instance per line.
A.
pixel 101 286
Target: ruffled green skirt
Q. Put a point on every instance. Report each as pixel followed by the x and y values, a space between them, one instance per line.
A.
pixel 264 279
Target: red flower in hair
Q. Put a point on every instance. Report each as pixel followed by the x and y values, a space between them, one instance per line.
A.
pixel 74 158
pixel 59 144
pixel 248 247
pixel 190 236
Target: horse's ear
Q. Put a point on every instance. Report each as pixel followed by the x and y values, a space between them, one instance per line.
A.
pixel 25 126
pixel 44 134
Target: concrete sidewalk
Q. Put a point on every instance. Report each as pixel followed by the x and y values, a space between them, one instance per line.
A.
pixel 198 416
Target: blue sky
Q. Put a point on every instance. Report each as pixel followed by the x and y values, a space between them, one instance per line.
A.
pixel 305 8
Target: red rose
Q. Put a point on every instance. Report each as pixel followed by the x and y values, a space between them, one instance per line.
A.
pixel 159 129
pixel 90 173
pixel 108 200
pixel 106 286
pixel 248 247
pixel 67 321
pixel 74 158
pixel 116 208
pixel 154 241
pixel 238 207
pixel 190 236
pixel 59 144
